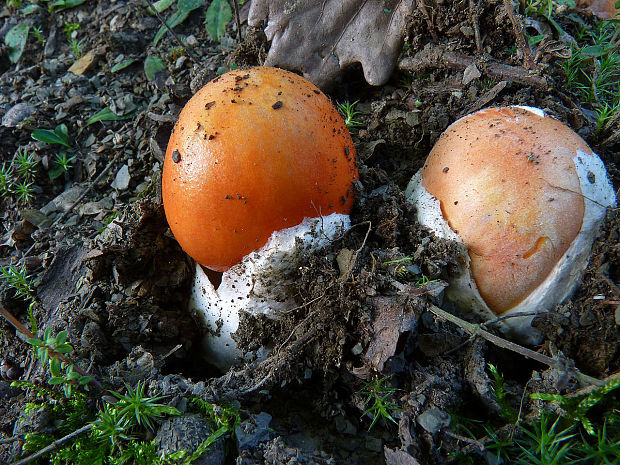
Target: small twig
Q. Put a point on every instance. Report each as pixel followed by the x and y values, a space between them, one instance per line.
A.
pixel 431 27
pixel 165 24
pixel 486 324
pixel 238 20
pixel 86 191
pixel 8 316
pixel 517 27
pixel 479 445
pixel 588 389
pixel 53 446
pixel 474 14
pixel 11 439
pixel 310 302
pixel 476 330
pixel 433 56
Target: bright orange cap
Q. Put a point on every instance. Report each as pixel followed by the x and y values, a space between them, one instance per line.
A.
pixel 253 152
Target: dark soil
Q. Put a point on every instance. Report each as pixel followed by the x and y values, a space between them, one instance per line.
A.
pixel 109 271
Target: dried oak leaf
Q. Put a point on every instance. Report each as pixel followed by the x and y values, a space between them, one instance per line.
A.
pixel 321 38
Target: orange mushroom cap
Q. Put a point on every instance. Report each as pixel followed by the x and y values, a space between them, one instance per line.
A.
pixel 507 184
pixel 253 152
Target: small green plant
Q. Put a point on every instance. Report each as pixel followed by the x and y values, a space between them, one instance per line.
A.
pixel 143 409
pixel 63 373
pixel 61 165
pixel 349 113
pixel 6 180
pixel 184 8
pixel 424 281
pixel 111 217
pixel 604 114
pixel 38 35
pixel 377 402
pixel 545 443
pixel 218 15
pixel 225 417
pixel 60 135
pixel 550 439
pixel 577 407
pixel 60 5
pixel 18 280
pixel 74 43
pixel 15 39
pixel 501 396
pixel 26 164
pixel 593 71
pixel 69 28
pixel 24 192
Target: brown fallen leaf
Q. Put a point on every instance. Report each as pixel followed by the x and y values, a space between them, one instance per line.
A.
pixel 320 39
pixel 391 318
pixel 83 63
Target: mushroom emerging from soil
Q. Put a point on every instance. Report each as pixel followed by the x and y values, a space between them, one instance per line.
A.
pixel 604 9
pixel 525 195
pixel 254 152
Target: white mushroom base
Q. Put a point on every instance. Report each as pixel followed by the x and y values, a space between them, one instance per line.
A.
pixel 259 284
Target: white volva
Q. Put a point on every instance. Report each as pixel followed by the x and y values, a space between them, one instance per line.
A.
pixel 259 284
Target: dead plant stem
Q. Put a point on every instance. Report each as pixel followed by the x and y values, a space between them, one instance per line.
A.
pixel 237 19
pixel 8 316
pixel 476 330
pixel 172 33
pixel 53 446
pixel 87 190
pixel 474 15
pixel 517 27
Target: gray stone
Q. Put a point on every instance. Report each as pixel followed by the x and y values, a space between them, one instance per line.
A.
pixel 471 73
pixel 121 181
pixel 374 444
pixel 62 202
pixel 187 432
pixel 433 420
pixel 17 114
pixel 253 431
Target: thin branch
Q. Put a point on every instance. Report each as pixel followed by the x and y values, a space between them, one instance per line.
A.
pixel 53 446
pixel 474 13
pixel 476 330
pixel 8 316
pixel 11 439
pixel 238 20
pixel 433 56
pixel 86 191
pixel 429 23
pixel 172 33
pixel 477 444
pixel 517 27
pixel 507 317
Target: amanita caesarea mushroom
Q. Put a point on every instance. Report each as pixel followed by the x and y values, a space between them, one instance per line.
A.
pixel 525 195
pixel 258 158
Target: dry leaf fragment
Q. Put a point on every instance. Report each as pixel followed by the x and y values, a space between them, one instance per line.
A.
pixel 391 318
pixel 84 62
pixel 320 39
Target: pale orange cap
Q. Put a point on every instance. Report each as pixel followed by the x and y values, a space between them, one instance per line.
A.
pixel 507 184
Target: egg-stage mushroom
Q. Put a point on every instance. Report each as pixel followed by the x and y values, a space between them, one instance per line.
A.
pixel 254 152
pixel 525 195
pixel 604 9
